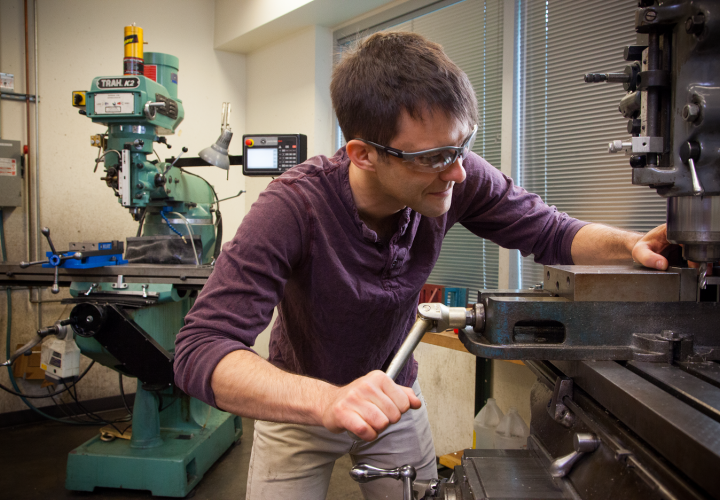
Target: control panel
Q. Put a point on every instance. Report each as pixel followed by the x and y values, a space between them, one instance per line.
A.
pixel 273 154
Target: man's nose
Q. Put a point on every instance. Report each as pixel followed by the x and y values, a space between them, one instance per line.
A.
pixel 456 172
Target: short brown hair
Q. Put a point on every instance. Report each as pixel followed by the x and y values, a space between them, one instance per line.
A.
pixel 393 71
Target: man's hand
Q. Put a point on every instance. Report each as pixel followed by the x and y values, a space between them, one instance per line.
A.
pixel 245 384
pixel 368 405
pixel 647 250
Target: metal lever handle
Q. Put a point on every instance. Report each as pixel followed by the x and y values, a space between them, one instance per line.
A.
pixel 432 316
pixel 92 287
pixel 698 190
pixel 689 154
pixel 46 232
pixel 171 165
pixel 150 109
pixel 583 443
pixel 364 473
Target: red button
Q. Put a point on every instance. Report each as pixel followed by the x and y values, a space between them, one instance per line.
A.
pixel 249 142
pixel 294 146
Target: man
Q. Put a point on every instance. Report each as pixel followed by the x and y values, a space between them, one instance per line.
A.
pixel 342 246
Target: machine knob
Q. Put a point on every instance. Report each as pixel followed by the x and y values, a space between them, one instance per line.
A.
pixel 690 151
pixel 638 161
pixel 160 180
pixel 634 126
pixel 633 52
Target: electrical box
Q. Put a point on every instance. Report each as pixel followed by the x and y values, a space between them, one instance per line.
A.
pixel 273 154
pixel 7 82
pixel 11 174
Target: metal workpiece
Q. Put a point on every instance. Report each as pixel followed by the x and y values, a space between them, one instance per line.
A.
pixel 685 437
pixel 695 222
pixel 622 283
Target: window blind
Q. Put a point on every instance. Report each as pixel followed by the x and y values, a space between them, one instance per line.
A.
pixel 564 125
pixel 471 35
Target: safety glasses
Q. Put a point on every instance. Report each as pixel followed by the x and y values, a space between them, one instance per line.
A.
pixel 432 160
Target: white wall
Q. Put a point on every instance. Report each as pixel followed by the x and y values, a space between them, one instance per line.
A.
pixel 77 41
pixel 292 97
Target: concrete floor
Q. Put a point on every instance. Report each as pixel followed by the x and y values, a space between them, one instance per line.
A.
pixel 33 460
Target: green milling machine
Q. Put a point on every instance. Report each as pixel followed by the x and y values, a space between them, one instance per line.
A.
pixel 131 327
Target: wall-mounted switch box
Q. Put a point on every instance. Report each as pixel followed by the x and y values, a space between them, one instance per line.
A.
pixel 11 174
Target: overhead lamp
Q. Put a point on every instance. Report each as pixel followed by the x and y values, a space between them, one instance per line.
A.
pixel 217 154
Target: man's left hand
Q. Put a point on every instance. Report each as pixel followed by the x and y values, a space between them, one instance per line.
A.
pixel 647 250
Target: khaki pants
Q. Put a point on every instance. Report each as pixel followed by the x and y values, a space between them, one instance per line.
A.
pixel 291 461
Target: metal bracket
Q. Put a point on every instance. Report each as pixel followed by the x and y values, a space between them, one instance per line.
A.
pixel 556 408
pixel 642 145
pixel 120 282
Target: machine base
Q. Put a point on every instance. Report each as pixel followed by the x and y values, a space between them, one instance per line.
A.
pixel 172 469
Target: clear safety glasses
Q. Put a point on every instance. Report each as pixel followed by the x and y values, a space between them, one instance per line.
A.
pixel 431 160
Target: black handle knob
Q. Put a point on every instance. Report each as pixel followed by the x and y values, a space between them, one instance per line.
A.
pixel 690 151
pixel 634 127
pixel 638 161
pixel 633 52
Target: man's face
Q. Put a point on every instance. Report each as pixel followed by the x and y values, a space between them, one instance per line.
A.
pixel 429 194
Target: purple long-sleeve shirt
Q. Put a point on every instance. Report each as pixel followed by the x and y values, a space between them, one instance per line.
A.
pixel 345 300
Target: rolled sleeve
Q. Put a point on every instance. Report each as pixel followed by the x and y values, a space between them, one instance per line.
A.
pixel 490 205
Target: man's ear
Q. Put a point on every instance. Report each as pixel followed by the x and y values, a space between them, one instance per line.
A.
pixel 362 155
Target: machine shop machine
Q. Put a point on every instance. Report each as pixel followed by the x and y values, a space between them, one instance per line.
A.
pixel 128 311
pixel 629 404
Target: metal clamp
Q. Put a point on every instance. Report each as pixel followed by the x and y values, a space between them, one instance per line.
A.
pixel 144 291
pixel 92 287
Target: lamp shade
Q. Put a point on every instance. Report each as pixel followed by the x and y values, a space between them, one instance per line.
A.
pixel 217 154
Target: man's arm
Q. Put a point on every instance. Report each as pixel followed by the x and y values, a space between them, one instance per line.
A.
pixel 599 244
pixel 246 384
